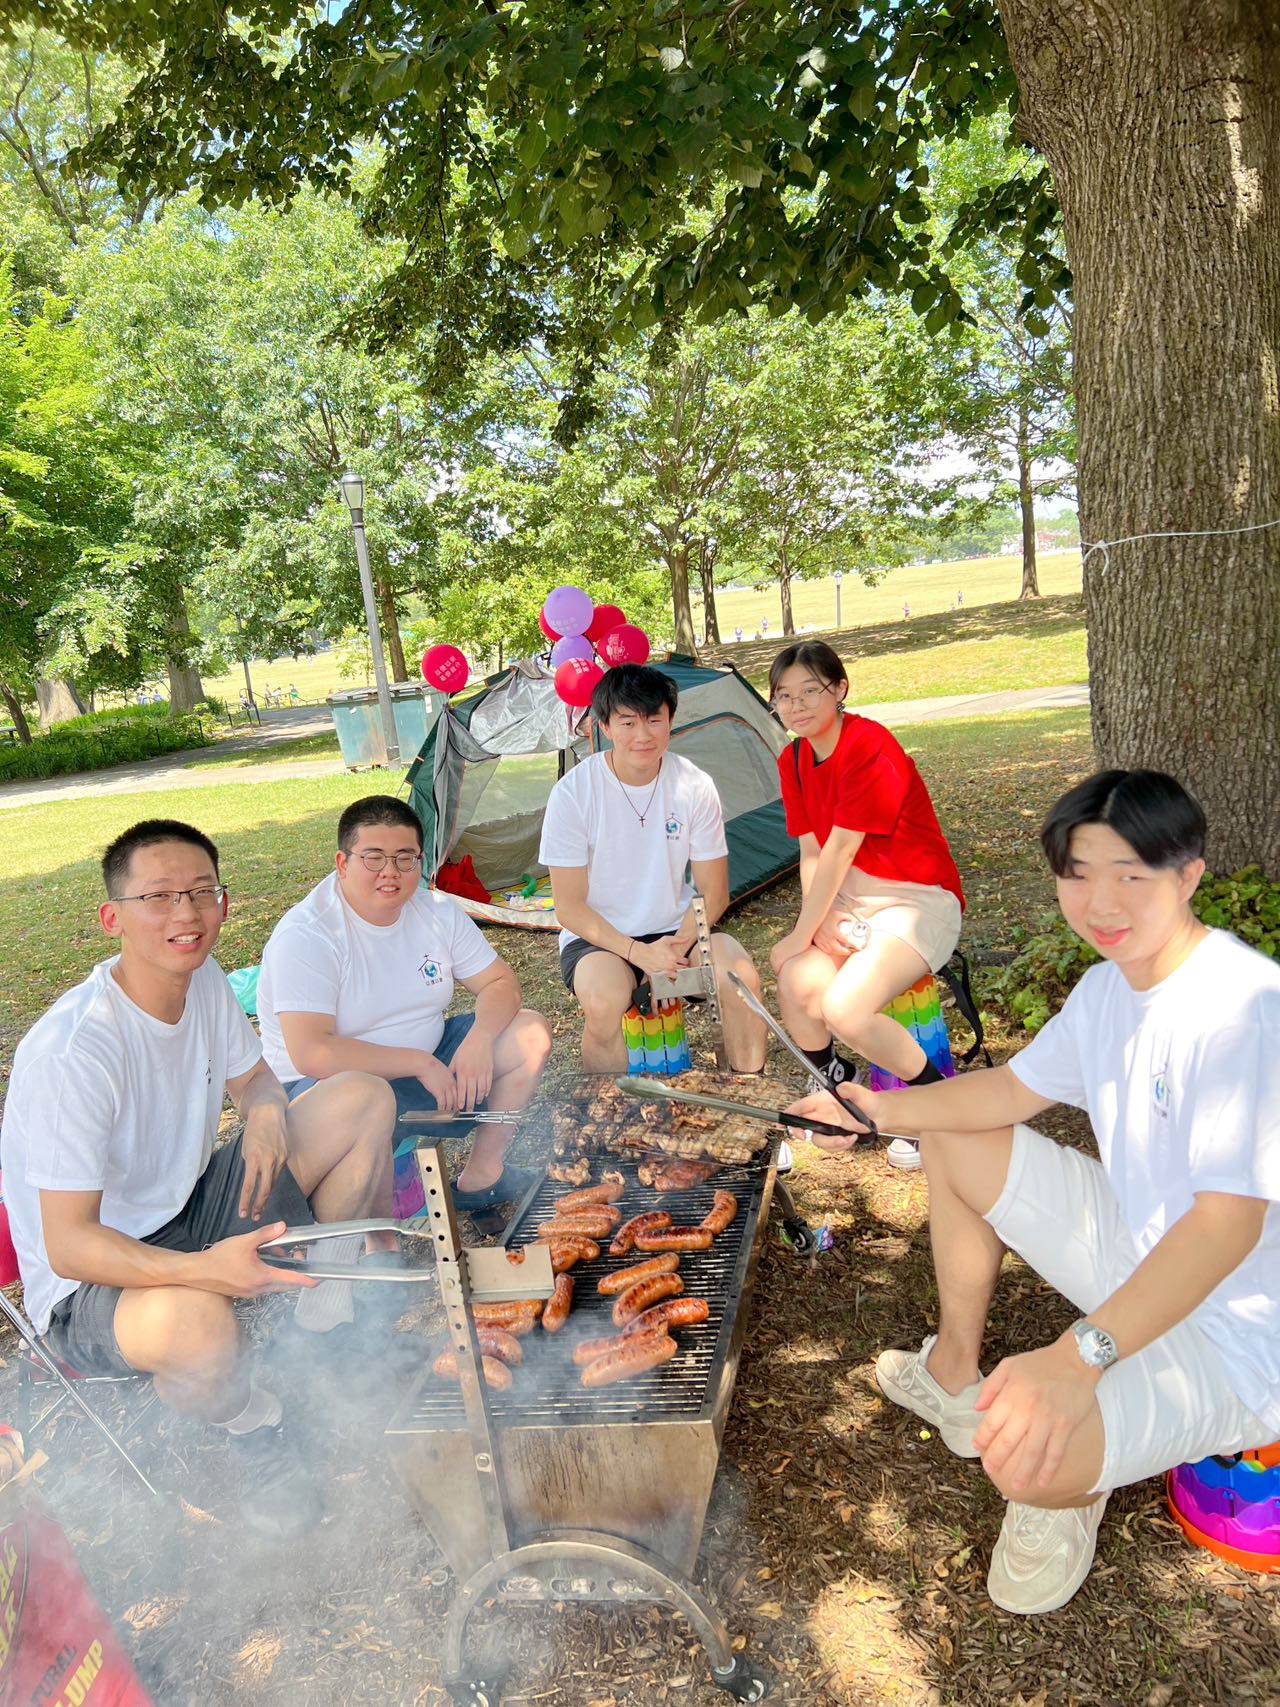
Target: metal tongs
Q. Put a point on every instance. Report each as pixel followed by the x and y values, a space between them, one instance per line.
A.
pixel 661 1090
pixel 456 1116
pixel 273 1253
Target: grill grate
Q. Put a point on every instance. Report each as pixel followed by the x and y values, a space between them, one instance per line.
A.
pixel 547 1387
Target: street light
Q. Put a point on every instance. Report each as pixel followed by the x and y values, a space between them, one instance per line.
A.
pixel 839 576
pixel 352 488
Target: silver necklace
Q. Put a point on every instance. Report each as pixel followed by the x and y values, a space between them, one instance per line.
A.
pixel 630 802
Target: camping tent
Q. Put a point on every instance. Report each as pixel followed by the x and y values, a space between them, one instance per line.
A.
pixel 482 778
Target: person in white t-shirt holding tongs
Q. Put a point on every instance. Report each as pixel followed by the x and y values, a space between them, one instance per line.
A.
pixel 1169 1245
pixel 360 974
pixel 621 834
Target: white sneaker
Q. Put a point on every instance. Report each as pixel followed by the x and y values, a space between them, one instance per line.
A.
pixel 902 1377
pixel 1042 1557
pixel 785 1159
pixel 904 1153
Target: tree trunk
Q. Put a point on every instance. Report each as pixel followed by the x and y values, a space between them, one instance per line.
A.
pixel 678 563
pixel 58 700
pixel 14 707
pixel 784 588
pixel 390 619
pixel 710 615
pixel 1027 505
pixel 185 687
pixel 1160 120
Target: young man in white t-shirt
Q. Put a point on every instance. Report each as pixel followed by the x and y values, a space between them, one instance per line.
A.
pixel 360 974
pixel 620 835
pixel 1170 1245
pixel 133 1234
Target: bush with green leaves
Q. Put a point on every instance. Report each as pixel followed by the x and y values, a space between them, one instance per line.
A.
pixel 1051 959
pixel 90 744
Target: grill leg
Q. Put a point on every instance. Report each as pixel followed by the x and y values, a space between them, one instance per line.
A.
pixel 583 1565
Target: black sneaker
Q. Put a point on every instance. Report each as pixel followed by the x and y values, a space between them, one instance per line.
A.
pixel 509 1187
pixel 277 1498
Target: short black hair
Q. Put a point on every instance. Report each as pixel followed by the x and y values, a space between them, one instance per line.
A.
pixel 147 834
pixel 376 809
pixel 815 656
pixel 1162 823
pixel 633 687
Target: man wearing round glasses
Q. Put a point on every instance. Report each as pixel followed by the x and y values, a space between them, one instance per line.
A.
pixel 360 975
pixel 134 1235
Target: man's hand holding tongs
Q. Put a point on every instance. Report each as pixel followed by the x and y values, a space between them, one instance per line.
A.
pixel 858 1110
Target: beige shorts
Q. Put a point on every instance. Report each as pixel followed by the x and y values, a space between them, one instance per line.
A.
pixel 922 915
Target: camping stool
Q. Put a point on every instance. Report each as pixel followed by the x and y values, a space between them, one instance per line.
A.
pixel 41 1367
pixel 656 1041
pixel 919 1010
pixel 1231 1506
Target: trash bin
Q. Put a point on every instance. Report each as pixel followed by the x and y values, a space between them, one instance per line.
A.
pixel 357 719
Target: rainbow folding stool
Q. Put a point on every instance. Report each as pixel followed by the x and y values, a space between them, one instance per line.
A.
pixel 1231 1506
pixel 656 1042
pixel 919 1009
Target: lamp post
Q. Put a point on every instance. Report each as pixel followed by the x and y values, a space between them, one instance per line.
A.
pixel 352 487
pixel 839 576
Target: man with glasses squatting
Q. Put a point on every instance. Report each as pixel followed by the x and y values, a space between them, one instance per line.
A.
pixel 360 974
pixel 133 1234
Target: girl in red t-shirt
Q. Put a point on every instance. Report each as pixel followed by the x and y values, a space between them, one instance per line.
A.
pixel 882 896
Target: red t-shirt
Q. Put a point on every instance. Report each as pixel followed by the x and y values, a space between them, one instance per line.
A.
pixel 870 784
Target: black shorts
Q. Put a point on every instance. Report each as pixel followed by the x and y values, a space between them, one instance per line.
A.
pixel 579 948
pixel 82 1327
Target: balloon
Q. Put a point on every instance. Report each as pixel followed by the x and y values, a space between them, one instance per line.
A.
pixel 545 626
pixel 568 610
pixel 605 618
pixel 445 668
pixel 572 646
pixel 576 681
pixel 625 644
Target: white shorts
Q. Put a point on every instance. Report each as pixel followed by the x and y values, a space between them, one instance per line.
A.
pixel 923 915
pixel 1170 1404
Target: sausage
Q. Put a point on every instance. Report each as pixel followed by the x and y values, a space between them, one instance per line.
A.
pixel 621 1278
pixel 496 1373
pixel 500 1343
pixel 559 1305
pixel 639 1355
pixel 675 1313
pixel 624 1240
pixel 586 1351
pixel 636 1298
pixel 675 1239
pixel 589 1223
pixel 566 1252
pixel 609 1191
pixel 596 1212
pixel 721 1213
pixel 516 1315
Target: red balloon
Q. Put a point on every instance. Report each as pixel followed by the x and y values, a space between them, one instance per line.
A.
pixel 625 644
pixel 604 618
pixel 576 681
pixel 547 629
pixel 445 668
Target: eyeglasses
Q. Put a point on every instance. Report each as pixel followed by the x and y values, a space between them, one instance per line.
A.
pixel 375 860
pixel 161 902
pixel 807 697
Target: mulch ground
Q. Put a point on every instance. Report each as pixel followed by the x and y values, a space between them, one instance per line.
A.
pixel 845 1547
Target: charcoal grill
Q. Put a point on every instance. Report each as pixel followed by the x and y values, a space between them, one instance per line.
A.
pixel 549 1492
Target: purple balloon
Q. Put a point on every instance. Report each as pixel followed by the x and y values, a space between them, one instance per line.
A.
pixel 572 646
pixel 568 610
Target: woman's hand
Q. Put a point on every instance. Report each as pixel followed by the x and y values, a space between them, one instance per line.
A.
pixel 834 936
pixel 787 948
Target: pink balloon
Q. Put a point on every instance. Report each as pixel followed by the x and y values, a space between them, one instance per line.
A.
pixel 545 626
pixel 625 644
pixel 568 610
pixel 605 618
pixel 572 646
pixel 445 668
pixel 576 681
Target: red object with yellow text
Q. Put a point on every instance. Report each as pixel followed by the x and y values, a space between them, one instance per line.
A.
pixel 57 1647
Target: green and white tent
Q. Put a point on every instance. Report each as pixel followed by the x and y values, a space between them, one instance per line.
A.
pixel 480 783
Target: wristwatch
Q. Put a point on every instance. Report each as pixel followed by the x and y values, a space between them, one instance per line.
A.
pixel 1095 1345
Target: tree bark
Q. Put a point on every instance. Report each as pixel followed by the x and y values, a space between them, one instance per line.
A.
pixel 186 690
pixel 14 707
pixel 1160 120
pixel 784 589
pixel 707 575
pixel 677 557
pixel 1027 505
pixel 390 618
pixel 58 700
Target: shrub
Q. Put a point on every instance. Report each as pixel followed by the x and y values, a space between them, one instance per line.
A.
pixel 1051 960
pixel 93 743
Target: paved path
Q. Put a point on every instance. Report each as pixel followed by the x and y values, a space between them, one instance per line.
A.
pixel 176 770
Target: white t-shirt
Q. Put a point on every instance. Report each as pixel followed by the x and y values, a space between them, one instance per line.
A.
pixel 105 1097
pixel 637 875
pixel 387 984
pixel 1182 1086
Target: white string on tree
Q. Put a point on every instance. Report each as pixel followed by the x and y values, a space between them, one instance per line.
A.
pixel 1104 545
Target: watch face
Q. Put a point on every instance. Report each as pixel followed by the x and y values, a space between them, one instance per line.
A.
pixel 1096 1347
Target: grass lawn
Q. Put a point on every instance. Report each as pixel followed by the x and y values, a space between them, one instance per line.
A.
pixel 843 1544
pixel 271 753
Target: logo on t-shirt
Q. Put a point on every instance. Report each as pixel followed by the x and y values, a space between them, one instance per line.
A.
pixel 1160 1095
pixel 432 972
pixel 673 827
